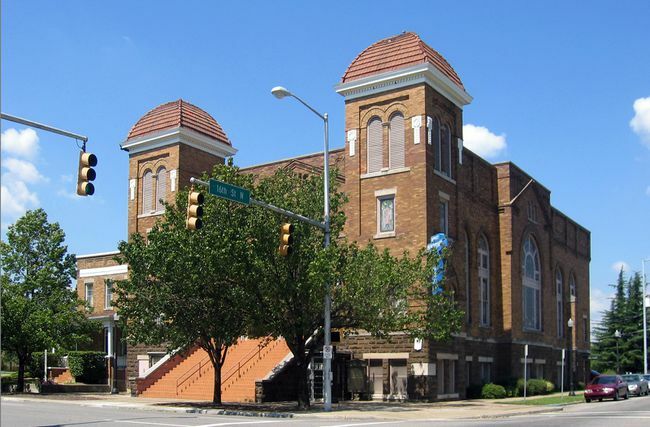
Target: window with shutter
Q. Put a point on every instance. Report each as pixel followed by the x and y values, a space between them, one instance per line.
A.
pixel 161 188
pixel 147 192
pixel 396 142
pixel 375 149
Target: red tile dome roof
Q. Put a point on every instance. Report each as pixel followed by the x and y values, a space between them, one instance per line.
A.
pixel 399 51
pixel 178 114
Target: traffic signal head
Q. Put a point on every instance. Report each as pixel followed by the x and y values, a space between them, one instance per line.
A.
pixel 286 239
pixel 194 210
pixel 86 173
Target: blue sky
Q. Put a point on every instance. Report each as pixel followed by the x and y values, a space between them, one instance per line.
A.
pixel 554 87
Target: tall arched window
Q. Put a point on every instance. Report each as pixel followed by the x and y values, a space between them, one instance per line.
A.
pixel 468 289
pixel 558 303
pixel 572 286
pixel 396 141
pixel 161 188
pixel 531 279
pixel 436 143
pixel 147 192
pixel 484 280
pixel 445 150
pixel 375 148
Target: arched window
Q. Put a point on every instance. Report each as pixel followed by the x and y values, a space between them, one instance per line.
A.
pixel 396 141
pixel 484 280
pixel 161 188
pixel 147 192
pixel 436 142
pixel 558 303
pixel 572 286
pixel 375 148
pixel 445 150
pixel 531 279
pixel 468 290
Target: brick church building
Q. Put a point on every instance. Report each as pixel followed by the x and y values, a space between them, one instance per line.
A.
pixel 519 267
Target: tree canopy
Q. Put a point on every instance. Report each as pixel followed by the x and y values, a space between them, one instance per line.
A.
pixel 40 310
pixel 227 279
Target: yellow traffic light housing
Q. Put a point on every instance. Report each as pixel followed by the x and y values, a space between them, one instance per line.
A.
pixel 86 173
pixel 194 210
pixel 286 239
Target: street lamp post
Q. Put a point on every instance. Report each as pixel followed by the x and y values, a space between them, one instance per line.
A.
pixel 569 323
pixel 617 335
pixel 645 325
pixel 280 92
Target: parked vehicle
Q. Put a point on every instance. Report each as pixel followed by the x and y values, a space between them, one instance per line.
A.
pixel 606 386
pixel 636 384
pixel 646 377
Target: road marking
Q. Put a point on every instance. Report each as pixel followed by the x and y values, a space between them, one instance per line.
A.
pixel 151 423
pixel 375 423
pixel 236 423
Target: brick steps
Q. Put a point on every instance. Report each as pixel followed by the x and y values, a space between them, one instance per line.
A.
pixel 192 378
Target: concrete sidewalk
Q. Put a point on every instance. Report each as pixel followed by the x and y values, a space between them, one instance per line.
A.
pixel 353 410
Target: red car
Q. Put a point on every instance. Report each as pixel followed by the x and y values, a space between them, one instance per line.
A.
pixel 606 386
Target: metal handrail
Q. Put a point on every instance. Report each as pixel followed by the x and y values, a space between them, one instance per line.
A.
pixel 250 355
pixel 190 372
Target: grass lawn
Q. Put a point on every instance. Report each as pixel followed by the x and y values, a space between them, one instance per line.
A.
pixel 548 400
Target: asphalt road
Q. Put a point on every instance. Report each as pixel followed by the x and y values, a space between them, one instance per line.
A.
pixel 633 412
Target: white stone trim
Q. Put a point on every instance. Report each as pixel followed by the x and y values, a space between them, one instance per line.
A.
pixel 469 358
pixel 459 141
pixel 172 180
pixel 132 189
pixel 352 140
pixel 384 172
pixel 445 177
pixel 103 271
pixel 97 254
pixel 444 196
pixel 390 80
pixel 385 356
pixel 429 129
pixel 423 369
pixel 179 135
pixel 485 359
pixel 416 123
pixel 540 361
pixel 386 192
pixel 446 356
pixel 528 360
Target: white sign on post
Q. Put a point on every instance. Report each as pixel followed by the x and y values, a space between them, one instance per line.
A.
pixel 327 352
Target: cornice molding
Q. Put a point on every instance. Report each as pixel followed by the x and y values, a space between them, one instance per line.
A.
pixel 420 73
pixel 180 135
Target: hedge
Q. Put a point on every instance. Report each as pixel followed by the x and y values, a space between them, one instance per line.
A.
pixel 493 391
pixel 35 365
pixel 88 366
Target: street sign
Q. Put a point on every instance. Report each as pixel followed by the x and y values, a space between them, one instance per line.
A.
pixel 327 352
pixel 229 192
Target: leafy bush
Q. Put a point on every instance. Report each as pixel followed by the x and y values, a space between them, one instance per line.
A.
pixel 474 391
pixel 88 366
pixel 535 387
pixel 550 387
pixel 493 391
pixel 35 364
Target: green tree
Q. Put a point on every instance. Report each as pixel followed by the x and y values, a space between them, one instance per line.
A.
pixel 604 347
pixel 371 290
pixel 39 308
pixel 185 288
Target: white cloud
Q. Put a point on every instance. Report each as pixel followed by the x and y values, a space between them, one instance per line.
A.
pixel 21 170
pixel 480 140
pixel 16 199
pixel 599 301
pixel 640 123
pixel 621 264
pixel 23 143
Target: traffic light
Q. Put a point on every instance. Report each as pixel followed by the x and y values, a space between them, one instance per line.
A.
pixel 86 174
pixel 194 210
pixel 286 239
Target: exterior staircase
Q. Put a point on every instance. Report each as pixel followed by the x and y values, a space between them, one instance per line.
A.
pixel 192 377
